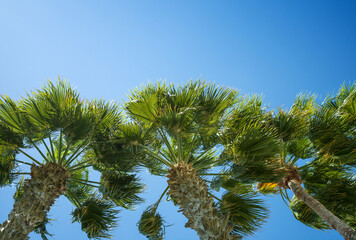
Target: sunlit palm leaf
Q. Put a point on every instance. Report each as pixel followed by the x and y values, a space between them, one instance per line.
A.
pixel 214 101
pixel 333 127
pixel 11 115
pixel 267 188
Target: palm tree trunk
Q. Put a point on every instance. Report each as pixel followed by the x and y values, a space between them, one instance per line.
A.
pixel 191 193
pixel 46 184
pixel 346 231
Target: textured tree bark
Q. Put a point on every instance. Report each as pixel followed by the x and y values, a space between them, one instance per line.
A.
pixel 346 231
pixel 191 193
pixel 39 193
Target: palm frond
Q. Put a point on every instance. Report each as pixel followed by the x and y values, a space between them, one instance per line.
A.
pixel 97 217
pixel 106 114
pixel 145 103
pixel 289 125
pixel 255 143
pixel 11 114
pixel 112 149
pixel 254 152
pixel 76 191
pixel 334 187
pixel 9 138
pixel 333 127
pixel 121 188
pixel 301 148
pixel 214 101
pixel 306 215
pixel 268 188
pixel 304 104
pixel 249 111
pixel 7 165
pixel 151 224
pixel 247 212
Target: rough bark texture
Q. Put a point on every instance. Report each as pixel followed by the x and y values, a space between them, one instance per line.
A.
pixel 191 193
pixel 346 231
pixel 46 184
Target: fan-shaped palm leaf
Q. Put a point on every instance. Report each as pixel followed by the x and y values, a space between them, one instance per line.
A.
pixel 151 224
pixel 97 217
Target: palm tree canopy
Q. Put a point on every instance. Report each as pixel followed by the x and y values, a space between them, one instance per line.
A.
pixel 307 131
pixel 75 134
pixel 184 125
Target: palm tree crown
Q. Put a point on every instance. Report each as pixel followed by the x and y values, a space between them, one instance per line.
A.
pixel 184 124
pixel 275 142
pixel 70 135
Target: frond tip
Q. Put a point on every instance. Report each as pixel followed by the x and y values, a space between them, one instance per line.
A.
pixel 97 217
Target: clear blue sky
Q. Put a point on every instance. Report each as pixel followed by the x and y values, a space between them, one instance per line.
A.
pixel 106 48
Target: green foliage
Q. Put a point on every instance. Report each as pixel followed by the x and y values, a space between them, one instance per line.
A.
pixel 334 187
pixel 294 124
pixel 117 148
pixel 306 215
pixel 251 143
pixel 57 106
pixel 7 165
pixel 254 152
pixel 187 124
pixel 181 121
pixel 246 211
pixel 76 134
pixel 121 188
pixel 76 189
pixel 255 143
pixel 97 217
pixel 301 148
pixel 151 224
pixel 333 127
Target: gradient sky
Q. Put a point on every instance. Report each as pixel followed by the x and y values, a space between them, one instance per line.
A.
pixel 105 48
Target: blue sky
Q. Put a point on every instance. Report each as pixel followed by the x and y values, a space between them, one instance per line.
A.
pixel 105 48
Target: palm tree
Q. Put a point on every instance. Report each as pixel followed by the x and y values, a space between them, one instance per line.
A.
pixel 183 124
pixel 264 148
pixel 70 136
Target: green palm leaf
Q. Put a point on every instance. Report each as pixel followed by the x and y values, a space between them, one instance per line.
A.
pixel 151 224
pixel 7 165
pixel 334 187
pixel 306 215
pixel 97 217
pixel 246 211
pixel 121 188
